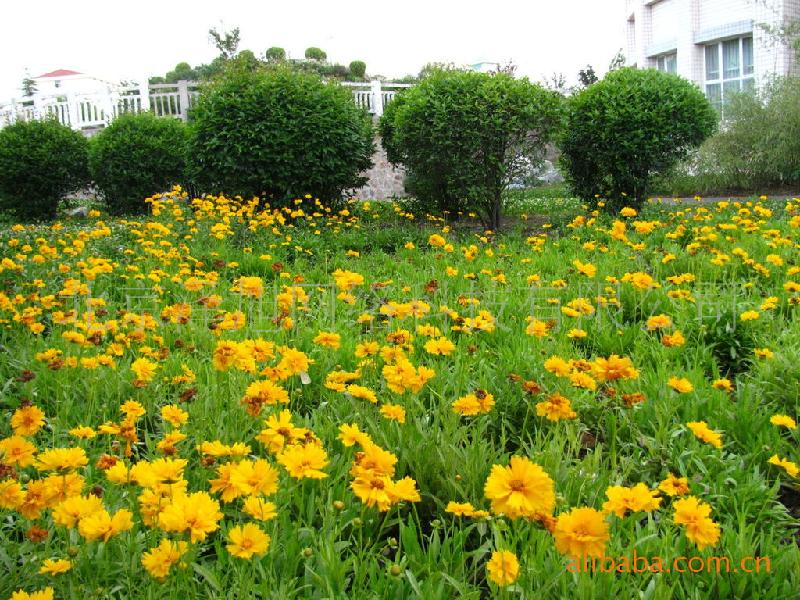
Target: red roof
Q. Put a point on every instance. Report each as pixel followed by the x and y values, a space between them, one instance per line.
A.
pixel 60 73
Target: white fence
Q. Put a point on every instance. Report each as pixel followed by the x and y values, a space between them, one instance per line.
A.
pixel 91 111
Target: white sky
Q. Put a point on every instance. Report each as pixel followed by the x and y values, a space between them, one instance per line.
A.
pixel 126 40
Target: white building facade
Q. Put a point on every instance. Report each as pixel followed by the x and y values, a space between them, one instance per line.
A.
pixel 723 46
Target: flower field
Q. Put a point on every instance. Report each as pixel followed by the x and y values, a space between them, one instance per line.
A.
pixel 224 401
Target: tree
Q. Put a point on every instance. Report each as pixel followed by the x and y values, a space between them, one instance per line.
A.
pixel 227 42
pixel 28 86
pixel 464 136
pixel 279 133
pixel 275 54
pixel 587 76
pixel 617 62
pixel 314 53
pixel 557 82
pixel 358 69
pixel 626 128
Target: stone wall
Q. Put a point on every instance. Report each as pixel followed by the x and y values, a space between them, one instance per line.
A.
pixel 385 181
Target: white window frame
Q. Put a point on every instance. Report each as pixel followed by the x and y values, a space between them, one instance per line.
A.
pixel 742 80
pixel 661 62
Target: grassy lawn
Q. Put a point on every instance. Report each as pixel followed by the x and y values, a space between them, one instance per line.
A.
pixel 208 366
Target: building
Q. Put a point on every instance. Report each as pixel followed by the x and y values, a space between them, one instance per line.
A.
pixel 723 46
pixel 66 81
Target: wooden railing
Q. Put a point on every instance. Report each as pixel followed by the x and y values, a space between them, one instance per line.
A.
pixel 92 111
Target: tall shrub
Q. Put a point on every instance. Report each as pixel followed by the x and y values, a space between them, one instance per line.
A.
pixel 464 136
pixel 280 133
pixel 623 130
pixel 135 157
pixel 40 162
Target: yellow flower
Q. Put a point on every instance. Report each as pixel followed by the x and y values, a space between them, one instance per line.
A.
pixel 474 404
pixel 695 515
pixel 45 594
pixel 701 430
pixel 11 494
pixel 783 421
pixel 723 384
pixel 436 240
pixel 280 431
pixel 55 567
pixel 673 340
pixel 260 509
pixel 503 567
pixel 787 465
pixel 303 461
pixel 394 412
pixel 350 435
pixel 27 420
pixel 144 370
pixel 132 409
pixel 749 315
pixel 249 286
pixel 16 450
pixel 658 322
pixel 71 510
pixel 331 340
pixel 555 408
pixel 160 559
pixel 581 532
pixel 102 525
pixel 680 385
pixel 634 499
pixel 522 489
pixel 460 509
pixel 441 347
pixel 82 432
pixel 614 367
pixel 255 477
pixel 247 541
pixel 764 353
pixel 587 269
pixel 674 486
pixel 57 459
pixel 197 513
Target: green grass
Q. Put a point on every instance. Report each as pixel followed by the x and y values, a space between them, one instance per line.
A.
pixel 323 549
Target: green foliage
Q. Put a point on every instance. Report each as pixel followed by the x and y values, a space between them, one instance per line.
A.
pixel 626 128
pixel 281 133
pixel 40 162
pixel 463 136
pixel 314 53
pixel 135 157
pixel 275 54
pixel 358 69
pixel 226 42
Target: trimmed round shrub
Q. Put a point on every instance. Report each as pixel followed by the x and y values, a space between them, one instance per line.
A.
pixel 138 155
pixel 314 53
pixel 280 134
pixel 622 131
pixel 358 69
pixel 464 136
pixel 40 163
pixel 275 54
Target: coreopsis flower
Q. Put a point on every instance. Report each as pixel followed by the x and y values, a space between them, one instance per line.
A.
pixel 255 477
pixel 364 393
pixel 160 559
pixel 223 484
pixel 55 567
pixel 174 415
pixel 702 432
pixel 280 431
pixel 61 459
pixel 460 509
pixel 436 241
pixel 11 494
pixel 783 421
pixel 556 407
pixel 477 403
pixel 587 269
pixel 787 465
pixel 522 489
pixel 247 541
pixel 16 450
pixel 132 409
pixel 658 322
pixel 60 486
pixel 27 420
pixel 394 412
pixel 638 498
pixel 695 515
pixel 614 367
pixel 440 347
pixel 82 432
pixel 749 315
pixel 628 212
pixel 249 286
pixel 763 353
pixel 680 385
pixel 45 594
pixel 674 486
pixel 537 328
pixel 144 370
pixel 581 533
pixel 576 333
pixel 259 509
pixel 503 568
pixel 722 384
pixel 102 525
pixel 350 435
pixel 198 513
pixel 260 393
pixel 302 461
pixel 328 339
pixel 373 460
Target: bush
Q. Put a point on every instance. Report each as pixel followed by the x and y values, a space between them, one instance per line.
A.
pixel 280 133
pixel 314 53
pixel 135 157
pixel 464 136
pixel 623 130
pixel 40 162
pixel 275 54
pixel 358 69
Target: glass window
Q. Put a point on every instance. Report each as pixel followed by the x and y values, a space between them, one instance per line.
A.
pixel 748 85
pixel 712 62
pixel 671 63
pixel 714 95
pixel 747 56
pixel 730 59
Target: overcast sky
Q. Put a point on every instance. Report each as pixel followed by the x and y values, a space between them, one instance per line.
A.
pixel 126 40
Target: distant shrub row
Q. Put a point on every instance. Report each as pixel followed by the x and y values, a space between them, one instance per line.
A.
pixel 279 134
